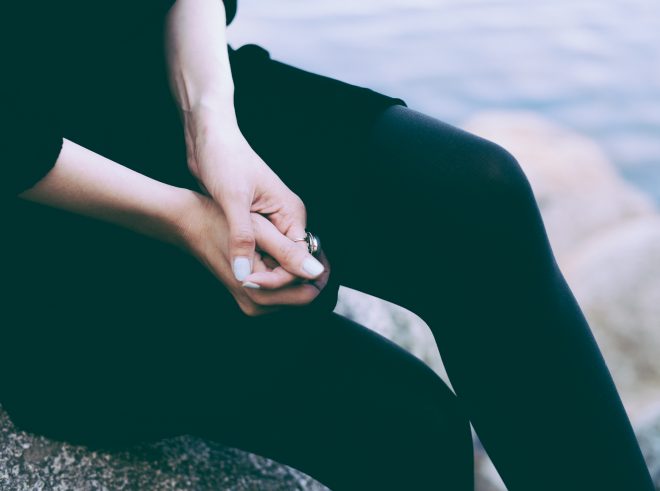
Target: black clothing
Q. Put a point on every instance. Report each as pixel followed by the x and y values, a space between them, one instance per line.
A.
pixel 85 53
pixel 114 337
pixel 230 9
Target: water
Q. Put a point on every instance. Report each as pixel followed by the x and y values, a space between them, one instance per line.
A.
pixel 593 66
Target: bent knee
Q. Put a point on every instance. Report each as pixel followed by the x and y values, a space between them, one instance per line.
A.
pixel 494 171
pixel 425 163
pixel 433 405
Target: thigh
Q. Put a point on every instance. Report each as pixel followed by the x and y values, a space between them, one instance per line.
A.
pixel 309 128
pixel 390 190
pixel 310 389
pixel 332 398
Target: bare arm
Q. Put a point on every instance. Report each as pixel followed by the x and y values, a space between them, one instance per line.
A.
pixel 87 183
pixel 199 70
pixel 84 182
pixel 218 155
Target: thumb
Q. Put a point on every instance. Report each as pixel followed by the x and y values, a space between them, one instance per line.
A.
pixel 241 234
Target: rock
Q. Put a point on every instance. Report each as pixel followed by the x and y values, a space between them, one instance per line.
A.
pixel 648 435
pixel 616 277
pixel 29 462
pixel 394 322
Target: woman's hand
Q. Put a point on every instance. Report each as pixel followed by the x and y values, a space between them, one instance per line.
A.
pixel 203 229
pixel 199 72
pixel 236 177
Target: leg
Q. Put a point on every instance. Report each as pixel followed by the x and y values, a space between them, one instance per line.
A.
pixel 444 223
pixel 147 344
pixel 458 238
pixel 120 349
pixel 330 397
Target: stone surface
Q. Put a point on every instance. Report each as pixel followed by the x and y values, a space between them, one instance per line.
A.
pixel 616 278
pixel 648 434
pixel 29 462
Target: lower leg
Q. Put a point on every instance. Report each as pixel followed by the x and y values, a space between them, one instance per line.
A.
pixel 459 240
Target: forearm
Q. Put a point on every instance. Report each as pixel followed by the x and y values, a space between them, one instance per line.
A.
pixel 198 63
pixel 87 183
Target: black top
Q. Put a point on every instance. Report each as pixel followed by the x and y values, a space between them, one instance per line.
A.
pixel 65 51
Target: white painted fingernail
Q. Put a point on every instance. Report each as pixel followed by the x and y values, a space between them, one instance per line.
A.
pixel 241 267
pixel 249 284
pixel 312 266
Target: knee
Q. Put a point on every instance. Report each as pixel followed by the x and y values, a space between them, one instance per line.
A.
pixel 492 199
pixel 436 166
pixel 441 431
pixel 447 418
pixel 437 418
pixel 496 174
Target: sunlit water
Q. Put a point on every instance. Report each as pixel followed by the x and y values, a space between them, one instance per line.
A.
pixel 593 65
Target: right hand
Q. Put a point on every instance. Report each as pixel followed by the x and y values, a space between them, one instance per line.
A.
pixel 229 170
pixel 204 233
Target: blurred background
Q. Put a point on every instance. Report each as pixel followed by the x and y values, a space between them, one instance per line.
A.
pixel 572 89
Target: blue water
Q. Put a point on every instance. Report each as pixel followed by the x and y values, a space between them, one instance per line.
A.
pixel 593 66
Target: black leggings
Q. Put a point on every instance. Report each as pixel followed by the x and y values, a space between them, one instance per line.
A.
pixel 426 216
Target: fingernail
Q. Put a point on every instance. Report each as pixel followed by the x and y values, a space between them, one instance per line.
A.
pixel 241 267
pixel 312 266
pixel 249 284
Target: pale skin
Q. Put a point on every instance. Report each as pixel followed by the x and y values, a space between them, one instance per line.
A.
pixel 247 211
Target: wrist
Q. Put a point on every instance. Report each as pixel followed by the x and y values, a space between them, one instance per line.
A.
pixel 213 113
pixel 207 130
pixel 181 216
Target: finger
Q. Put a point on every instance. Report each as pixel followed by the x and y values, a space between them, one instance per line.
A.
pixel 260 262
pixel 290 215
pixel 277 277
pixel 291 295
pixel 269 280
pixel 297 218
pixel 292 256
pixel 252 309
pixel 236 205
pixel 322 280
pixel 263 263
pixel 270 262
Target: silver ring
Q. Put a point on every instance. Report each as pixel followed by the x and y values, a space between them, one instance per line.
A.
pixel 313 242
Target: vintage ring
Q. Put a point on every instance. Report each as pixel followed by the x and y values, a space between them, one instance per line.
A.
pixel 313 242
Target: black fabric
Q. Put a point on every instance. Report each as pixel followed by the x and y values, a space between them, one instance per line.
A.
pixel 73 59
pixel 111 338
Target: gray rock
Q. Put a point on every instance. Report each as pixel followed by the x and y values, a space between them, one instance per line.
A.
pixel 30 462
pixel 616 278
pixel 648 435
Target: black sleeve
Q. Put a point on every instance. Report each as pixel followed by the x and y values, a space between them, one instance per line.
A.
pixel 31 140
pixel 230 8
pixel 31 137
pixel 35 42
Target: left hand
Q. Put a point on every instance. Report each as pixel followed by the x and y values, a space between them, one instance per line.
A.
pixel 236 177
pixel 201 230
